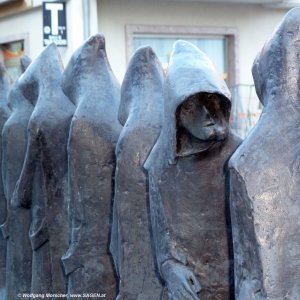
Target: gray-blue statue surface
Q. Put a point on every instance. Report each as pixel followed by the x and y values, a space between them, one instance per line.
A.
pixel 42 183
pixel 5 84
pixel 264 176
pixel 140 113
pixel 16 227
pixel 188 207
pixel 89 83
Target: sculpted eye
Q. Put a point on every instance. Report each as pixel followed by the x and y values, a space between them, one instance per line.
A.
pixel 211 97
pixel 188 106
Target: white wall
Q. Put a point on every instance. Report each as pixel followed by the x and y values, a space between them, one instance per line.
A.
pixel 31 22
pixel 75 31
pixel 254 24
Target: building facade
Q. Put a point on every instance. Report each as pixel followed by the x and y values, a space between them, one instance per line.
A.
pixel 230 32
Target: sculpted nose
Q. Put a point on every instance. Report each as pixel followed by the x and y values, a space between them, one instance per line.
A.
pixel 208 118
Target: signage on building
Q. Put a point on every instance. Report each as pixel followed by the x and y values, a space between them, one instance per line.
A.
pixel 54 21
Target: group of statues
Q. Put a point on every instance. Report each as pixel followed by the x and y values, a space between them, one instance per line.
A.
pixel 142 192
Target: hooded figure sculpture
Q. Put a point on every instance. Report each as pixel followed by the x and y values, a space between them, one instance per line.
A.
pixel 5 83
pixel 264 176
pixel 187 180
pixel 16 227
pixel 140 112
pixel 42 183
pixel 90 84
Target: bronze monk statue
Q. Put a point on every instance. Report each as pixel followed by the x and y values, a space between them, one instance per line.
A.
pixel 42 183
pixel 16 226
pixel 264 176
pixel 140 113
pixel 189 213
pixel 89 83
pixel 5 85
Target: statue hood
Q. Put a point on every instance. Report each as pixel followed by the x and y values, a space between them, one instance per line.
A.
pixel 44 72
pixel 5 83
pixel 88 64
pixel 276 69
pixel 25 61
pixel 15 97
pixel 144 77
pixel 190 72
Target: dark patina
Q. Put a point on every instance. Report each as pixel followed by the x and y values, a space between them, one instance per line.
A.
pixel 16 226
pixel 5 84
pixel 264 176
pixel 188 206
pixel 42 183
pixel 140 113
pixel 90 84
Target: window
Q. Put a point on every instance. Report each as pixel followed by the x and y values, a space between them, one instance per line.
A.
pixel 11 49
pixel 11 53
pixel 217 43
pixel 214 47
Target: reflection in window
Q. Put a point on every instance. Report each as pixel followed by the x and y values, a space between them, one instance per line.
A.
pixel 11 53
pixel 215 47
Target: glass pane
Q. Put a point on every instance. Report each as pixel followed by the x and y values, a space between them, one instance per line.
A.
pixel 11 53
pixel 214 47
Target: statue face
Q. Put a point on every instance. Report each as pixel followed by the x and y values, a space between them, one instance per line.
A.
pixel 204 117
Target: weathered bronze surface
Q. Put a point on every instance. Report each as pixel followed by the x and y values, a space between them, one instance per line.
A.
pixel 90 84
pixel 5 83
pixel 16 226
pixel 42 183
pixel 188 206
pixel 140 113
pixel 264 176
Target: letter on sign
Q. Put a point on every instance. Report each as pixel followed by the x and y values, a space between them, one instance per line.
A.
pixel 55 29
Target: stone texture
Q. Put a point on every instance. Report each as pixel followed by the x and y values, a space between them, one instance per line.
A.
pixel 16 226
pixel 140 113
pixel 90 84
pixel 188 207
pixel 264 176
pixel 5 83
pixel 42 183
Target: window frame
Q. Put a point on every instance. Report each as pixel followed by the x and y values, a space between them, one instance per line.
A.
pixel 15 38
pixel 230 34
pixel 22 37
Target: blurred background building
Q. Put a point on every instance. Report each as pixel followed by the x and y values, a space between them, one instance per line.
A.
pixel 230 32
